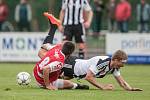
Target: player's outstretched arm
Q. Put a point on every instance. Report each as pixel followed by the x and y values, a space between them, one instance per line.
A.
pixel 46 71
pixel 91 79
pixel 48 41
pixel 125 85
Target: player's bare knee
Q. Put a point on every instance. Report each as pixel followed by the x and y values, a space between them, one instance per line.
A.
pixel 68 84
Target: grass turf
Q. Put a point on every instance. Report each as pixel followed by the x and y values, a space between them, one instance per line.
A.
pixel 135 75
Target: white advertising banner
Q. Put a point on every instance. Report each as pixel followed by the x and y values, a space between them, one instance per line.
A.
pixel 136 45
pixel 22 47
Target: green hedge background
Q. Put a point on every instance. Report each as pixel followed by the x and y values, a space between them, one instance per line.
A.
pixel 39 23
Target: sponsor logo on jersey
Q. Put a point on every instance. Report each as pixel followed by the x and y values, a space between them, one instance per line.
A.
pixel 102 66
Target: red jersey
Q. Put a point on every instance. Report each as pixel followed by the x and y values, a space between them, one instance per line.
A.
pixel 55 60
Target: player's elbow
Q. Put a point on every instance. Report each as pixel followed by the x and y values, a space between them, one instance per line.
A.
pixel 88 78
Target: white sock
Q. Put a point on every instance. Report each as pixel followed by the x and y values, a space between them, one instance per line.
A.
pixel 74 85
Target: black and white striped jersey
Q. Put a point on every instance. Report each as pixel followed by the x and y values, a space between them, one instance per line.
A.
pixel 74 11
pixel 99 65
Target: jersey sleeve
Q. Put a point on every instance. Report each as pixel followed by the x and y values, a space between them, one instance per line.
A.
pixel 86 5
pixel 54 66
pixel 93 69
pixel 116 72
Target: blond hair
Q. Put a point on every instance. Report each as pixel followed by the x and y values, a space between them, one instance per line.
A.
pixel 120 55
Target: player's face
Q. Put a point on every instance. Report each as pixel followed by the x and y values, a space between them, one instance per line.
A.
pixel 119 63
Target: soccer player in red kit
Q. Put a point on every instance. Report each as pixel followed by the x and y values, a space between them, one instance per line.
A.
pixel 47 70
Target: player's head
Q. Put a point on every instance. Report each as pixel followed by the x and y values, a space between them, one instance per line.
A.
pixel 119 58
pixel 68 48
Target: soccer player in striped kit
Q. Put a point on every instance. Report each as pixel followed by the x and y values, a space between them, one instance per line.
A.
pixel 73 22
pixel 98 67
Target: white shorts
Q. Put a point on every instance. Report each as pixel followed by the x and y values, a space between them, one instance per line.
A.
pixel 59 83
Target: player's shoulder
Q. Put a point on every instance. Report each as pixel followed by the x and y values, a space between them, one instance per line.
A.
pixel 101 59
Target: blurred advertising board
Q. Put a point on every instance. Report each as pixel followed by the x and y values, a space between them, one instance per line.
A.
pixel 136 45
pixel 22 47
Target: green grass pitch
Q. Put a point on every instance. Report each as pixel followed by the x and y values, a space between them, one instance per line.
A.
pixel 135 75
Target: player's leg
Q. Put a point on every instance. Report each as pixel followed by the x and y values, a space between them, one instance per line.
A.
pixel 48 40
pixel 80 39
pixel 68 34
pixel 70 85
pixel 54 23
pixel 66 84
pixel 81 53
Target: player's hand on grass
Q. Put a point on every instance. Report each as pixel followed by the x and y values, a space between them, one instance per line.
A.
pixel 50 87
pixel 136 89
pixel 109 87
